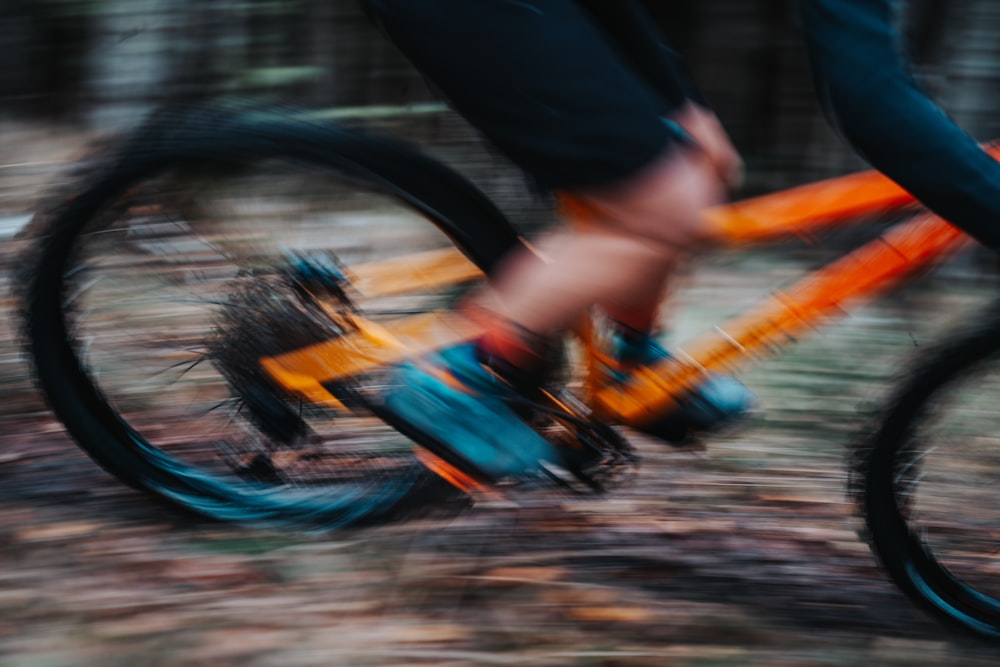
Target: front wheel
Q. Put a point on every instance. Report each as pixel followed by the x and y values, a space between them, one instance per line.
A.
pixel 155 289
pixel 929 482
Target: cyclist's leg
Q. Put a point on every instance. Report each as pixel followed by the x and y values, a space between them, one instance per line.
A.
pixel 553 92
pixel 865 85
pixel 648 223
pixel 549 89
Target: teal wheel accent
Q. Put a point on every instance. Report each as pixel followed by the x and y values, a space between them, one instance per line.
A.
pixel 928 481
pixel 153 289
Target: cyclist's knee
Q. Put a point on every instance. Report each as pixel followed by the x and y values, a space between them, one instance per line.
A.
pixel 662 204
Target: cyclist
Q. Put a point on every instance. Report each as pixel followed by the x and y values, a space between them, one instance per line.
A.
pixel 587 99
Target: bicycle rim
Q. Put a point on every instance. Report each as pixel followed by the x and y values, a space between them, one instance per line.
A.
pixel 930 497
pixel 150 278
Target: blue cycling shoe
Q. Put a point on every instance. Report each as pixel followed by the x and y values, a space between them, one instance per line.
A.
pixel 459 410
pixel 718 402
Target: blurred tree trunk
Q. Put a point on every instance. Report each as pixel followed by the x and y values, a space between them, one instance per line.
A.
pixel 928 23
pixel 45 45
pixel 109 61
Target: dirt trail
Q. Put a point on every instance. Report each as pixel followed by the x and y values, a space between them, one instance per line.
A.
pixel 743 555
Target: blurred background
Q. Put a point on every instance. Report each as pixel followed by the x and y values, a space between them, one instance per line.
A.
pixel 745 557
pixel 79 68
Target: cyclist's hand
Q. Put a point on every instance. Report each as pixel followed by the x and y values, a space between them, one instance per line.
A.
pixel 708 133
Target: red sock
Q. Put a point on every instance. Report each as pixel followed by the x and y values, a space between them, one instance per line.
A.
pixel 638 319
pixel 510 347
pixel 513 352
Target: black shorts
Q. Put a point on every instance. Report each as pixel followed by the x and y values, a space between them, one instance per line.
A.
pixel 545 80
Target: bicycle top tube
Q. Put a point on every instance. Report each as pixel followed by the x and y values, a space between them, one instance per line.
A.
pixel 798 211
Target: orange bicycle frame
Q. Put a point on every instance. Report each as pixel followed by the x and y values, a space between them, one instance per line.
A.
pixel 899 252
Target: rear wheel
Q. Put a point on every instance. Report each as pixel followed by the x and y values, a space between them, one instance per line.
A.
pixel 216 239
pixel 929 482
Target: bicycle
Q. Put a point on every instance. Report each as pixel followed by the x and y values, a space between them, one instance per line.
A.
pixel 264 404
